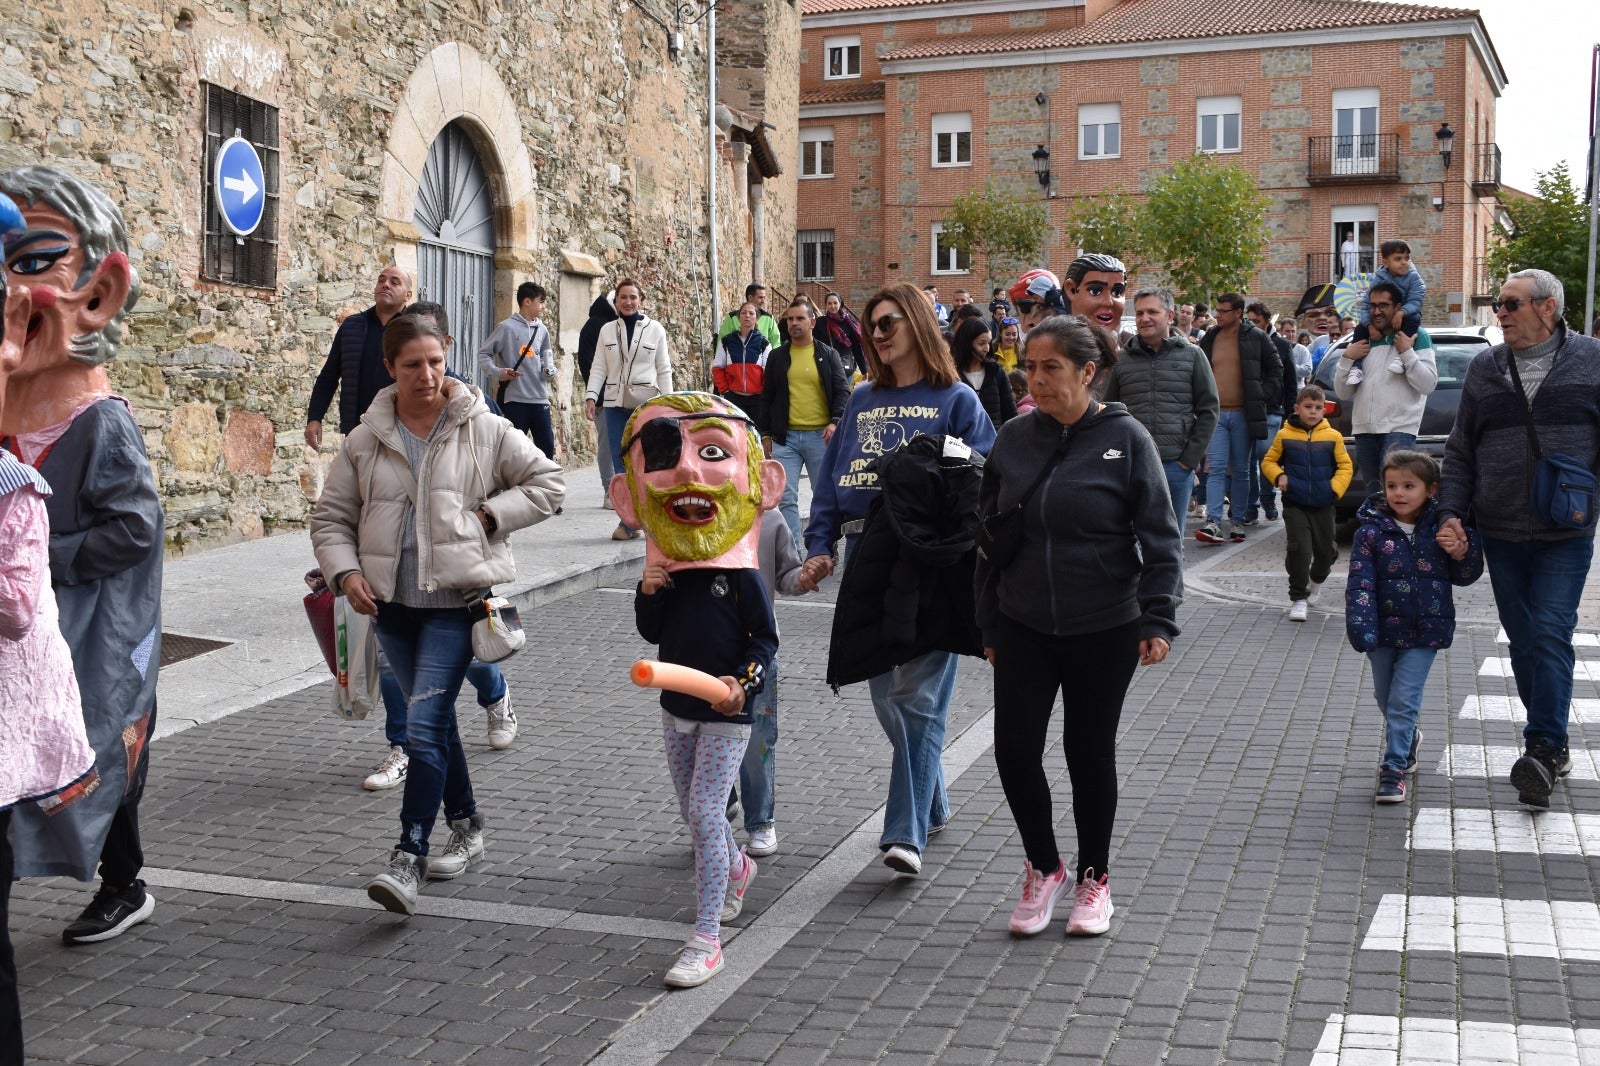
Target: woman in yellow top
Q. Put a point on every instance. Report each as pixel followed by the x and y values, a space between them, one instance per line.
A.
pixel 1009 344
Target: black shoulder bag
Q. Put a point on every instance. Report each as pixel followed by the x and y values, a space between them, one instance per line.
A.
pixel 500 390
pixel 999 536
pixel 1563 488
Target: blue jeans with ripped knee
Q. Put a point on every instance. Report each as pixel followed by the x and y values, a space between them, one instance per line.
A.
pixel 429 649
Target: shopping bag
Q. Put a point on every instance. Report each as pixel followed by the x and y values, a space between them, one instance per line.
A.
pixel 355 680
pixel 319 612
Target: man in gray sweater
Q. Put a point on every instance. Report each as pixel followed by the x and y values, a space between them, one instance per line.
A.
pixel 1537 568
pixel 1166 384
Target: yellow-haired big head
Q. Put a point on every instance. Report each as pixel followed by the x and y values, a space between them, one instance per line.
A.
pixel 695 481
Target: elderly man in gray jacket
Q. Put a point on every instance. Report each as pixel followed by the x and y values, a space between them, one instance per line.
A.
pixel 1167 386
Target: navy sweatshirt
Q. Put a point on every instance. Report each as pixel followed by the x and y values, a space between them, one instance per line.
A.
pixel 719 621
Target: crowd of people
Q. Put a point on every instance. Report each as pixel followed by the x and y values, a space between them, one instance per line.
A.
pixel 1009 487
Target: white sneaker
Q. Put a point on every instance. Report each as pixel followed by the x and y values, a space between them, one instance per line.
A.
pixel 502 722
pixel 1298 611
pixel 1396 366
pixel 464 845
pixel 390 772
pixel 396 888
pixel 733 902
pixel 1356 374
pixel 1313 590
pixel 904 858
pixel 698 963
pixel 763 842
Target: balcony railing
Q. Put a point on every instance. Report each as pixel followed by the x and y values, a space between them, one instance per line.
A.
pixel 1486 174
pixel 1485 285
pixel 1353 159
pixel 1323 267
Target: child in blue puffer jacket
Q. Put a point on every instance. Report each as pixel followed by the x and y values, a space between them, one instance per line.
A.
pixel 1398 605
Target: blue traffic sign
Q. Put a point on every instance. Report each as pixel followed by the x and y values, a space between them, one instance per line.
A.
pixel 241 186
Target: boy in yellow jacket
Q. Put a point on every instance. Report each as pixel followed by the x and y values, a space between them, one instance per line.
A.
pixel 1308 464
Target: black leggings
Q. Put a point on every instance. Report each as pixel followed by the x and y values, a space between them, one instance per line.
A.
pixel 1093 670
pixel 10 1006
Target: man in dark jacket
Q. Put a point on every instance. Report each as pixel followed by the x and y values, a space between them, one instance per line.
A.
pixel 1263 497
pixel 802 399
pixel 1537 568
pixel 1166 384
pixel 354 367
pixel 600 312
pixel 1249 375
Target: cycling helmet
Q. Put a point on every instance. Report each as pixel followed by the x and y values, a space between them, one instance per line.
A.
pixel 1035 285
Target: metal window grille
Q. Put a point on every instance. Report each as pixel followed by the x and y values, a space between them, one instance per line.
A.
pixel 816 254
pixel 251 261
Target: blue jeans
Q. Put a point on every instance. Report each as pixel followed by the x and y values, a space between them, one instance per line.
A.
pixel 1398 677
pixel 801 446
pixel 757 776
pixel 1229 455
pixel 911 702
pixel 1370 450
pixel 429 649
pixel 1180 485
pixel 1537 584
pixel 1263 494
pixel 484 677
pixel 616 422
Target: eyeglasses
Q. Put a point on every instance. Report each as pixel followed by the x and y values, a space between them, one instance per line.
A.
pixel 886 324
pixel 1097 289
pixel 1379 309
pixel 1513 304
pixel 1223 309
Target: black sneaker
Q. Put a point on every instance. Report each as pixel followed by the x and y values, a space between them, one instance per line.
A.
pixel 1534 774
pixel 1391 786
pixel 110 914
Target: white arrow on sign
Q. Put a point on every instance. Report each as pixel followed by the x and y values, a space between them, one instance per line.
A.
pixel 244 183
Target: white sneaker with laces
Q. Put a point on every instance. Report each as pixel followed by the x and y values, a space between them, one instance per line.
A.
pixel 699 962
pixel 1298 611
pixel 464 845
pixel 1356 374
pixel 733 902
pixel 763 842
pixel 1313 590
pixel 904 858
pixel 390 772
pixel 502 722
pixel 397 887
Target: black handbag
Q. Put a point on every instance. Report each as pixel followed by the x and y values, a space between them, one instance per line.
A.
pixel 999 536
pixel 1563 489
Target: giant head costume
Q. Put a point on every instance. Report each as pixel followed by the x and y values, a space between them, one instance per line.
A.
pixel 71 254
pixel 696 482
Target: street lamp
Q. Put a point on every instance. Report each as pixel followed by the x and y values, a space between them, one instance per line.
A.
pixel 1447 139
pixel 1041 165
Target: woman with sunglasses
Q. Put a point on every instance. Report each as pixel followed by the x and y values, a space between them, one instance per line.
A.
pixel 912 388
pixel 1092 590
pixel 969 349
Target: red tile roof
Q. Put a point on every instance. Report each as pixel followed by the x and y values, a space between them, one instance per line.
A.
pixel 847 93
pixel 1136 21
pixel 828 7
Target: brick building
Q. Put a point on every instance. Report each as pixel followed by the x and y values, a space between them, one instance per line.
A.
pixel 476 145
pixel 1334 105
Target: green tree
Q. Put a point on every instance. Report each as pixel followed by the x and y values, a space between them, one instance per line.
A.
pixel 1205 223
pixel 1550 232
pixel 1112 223
pixel 996 224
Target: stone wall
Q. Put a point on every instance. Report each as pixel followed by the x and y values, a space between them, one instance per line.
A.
pixel 593 138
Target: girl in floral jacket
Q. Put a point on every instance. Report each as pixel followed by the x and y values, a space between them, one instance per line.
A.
pixel 1398 605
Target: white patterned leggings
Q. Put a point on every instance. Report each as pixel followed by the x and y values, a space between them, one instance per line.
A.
pixel 704 767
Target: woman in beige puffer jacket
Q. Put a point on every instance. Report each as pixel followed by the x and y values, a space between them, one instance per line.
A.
pixel 416 512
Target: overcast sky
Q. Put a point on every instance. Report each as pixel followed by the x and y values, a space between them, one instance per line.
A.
pixel 1546 47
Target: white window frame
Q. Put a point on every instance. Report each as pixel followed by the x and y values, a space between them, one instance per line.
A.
pixel 1100 118
pixel 811 154
pixel 815 238
pixel 1219 109
pixel 948 130
pixel 955 262
pixel 845 44
pixel 1360 155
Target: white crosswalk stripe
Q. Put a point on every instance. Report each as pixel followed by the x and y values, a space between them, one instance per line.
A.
pixel 1579 640
pixel 1549 833
pixel 1510 709
pixel 1478 761
pixel 1483 925
pixel 1369 1040
pixel 1582 670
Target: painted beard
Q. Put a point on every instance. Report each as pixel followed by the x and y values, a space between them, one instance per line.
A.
pixel 693 522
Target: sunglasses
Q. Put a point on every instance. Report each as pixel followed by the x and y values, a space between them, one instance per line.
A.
pixel 1008 322
pixel 1513 304
pixel 886 324
pixel 1097 289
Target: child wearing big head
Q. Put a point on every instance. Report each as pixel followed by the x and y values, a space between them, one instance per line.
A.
pixel 1398 604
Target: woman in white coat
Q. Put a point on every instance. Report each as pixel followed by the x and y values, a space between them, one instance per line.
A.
pixel 632 364
pixel 416 513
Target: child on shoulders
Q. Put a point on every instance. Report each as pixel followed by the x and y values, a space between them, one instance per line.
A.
pixel 1396 269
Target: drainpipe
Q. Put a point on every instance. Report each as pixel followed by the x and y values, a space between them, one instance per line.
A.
pixel 758 232
pixel 711 162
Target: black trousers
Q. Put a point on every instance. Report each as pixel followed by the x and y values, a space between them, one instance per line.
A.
pixel 1092 671
pixel 534 420
pixel 122 856
pixel 10 1005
